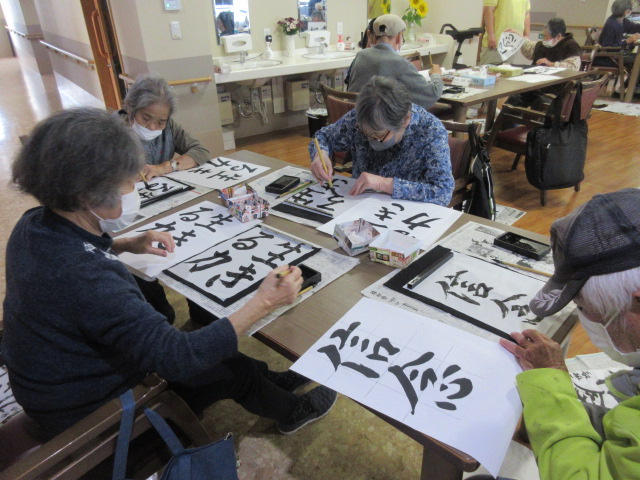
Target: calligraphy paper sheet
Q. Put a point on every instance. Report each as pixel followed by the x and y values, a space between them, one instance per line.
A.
pixel 488 293
pixel 424 221
pixel 331 200
pixel 194 229
pixel 219 173
pixel 509 44
pixel 235 267
pixel 330 264
pixel 544 70
pixel 273 198
pixel 156 208
pixel 436 379
pixel 159 187
pixel 531 78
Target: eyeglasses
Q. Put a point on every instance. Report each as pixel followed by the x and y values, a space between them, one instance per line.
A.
pixel 371 137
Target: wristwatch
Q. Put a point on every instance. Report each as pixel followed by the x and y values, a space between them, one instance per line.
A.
pixel 175 166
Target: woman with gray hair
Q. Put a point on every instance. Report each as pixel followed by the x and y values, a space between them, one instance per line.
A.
pixel 77 330
pixel 148 108
pixel 396 147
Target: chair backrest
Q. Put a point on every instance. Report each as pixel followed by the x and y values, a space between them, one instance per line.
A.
pixel 592 35
pixel 86 444
pixel 415 59
pixel 337 102
pixel 461 158
pixel 590 91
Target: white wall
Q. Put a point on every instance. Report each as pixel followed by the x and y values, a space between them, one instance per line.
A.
pixel 5 42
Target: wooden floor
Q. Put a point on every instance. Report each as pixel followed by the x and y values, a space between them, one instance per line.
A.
pixel 613 162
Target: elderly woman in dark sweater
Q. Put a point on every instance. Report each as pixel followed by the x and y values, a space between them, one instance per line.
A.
pixel 77 330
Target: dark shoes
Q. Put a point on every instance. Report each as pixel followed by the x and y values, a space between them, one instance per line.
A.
pixel 289 380
pixel 312 406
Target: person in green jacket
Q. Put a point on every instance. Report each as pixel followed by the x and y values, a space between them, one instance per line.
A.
pixel 596 253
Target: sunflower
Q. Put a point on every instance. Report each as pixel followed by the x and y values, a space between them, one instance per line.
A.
pixel 422 8
pixel 415 3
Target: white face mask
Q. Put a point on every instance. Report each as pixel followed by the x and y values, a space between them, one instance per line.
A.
pixel 130 208
pixel 549 43
pixel 600 337
pixel 144 133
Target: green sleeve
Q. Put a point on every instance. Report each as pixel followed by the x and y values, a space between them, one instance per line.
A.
pixel 185 144
pixel 565 443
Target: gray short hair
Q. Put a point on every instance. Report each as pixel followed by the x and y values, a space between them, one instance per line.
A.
pixel 619 7
pixel 383 103
pixel 78 158
pixel 148 90
pixel 607 296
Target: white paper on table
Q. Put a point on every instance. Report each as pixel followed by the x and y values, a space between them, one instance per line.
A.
pixel 496 296
pixel 273 198
pixel 159 186
pixel 219 173
pixel 331 200
pixel 424 221
pixel 330 264
pixel 532 78
pixel 438 380
pixel 468 92
pixel 509 44
pixel 544 70
pixel 425 74
pixel 194 229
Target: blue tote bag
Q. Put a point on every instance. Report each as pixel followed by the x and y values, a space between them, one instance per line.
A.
pixel 216 461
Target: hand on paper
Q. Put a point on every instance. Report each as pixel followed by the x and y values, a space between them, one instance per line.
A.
pixel 275 292
pixel 153 171
pixel 369 181
pixel 435 68
pixel 318 170
pixel 545 62
pixel 535 350
pixel 145 244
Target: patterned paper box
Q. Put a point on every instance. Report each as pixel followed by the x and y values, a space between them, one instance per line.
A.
pixel 244 203
pixel 394 249
pixel 354 237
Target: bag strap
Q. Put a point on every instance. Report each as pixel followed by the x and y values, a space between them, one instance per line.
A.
pixel 163 428
pixel 124 436
pixel 576 111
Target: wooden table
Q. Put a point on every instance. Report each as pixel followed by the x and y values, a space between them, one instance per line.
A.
pixel 504 87
pixel 633 76
pixel 294 332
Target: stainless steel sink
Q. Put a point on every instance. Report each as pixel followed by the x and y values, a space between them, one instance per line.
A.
pixel 328 55
pixel 252 64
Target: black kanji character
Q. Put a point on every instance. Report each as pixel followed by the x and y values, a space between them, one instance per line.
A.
pixel 160 227
pixel 249 243
pixel 422 224
pixel 194 215
pixel 183 238
pixel 244 273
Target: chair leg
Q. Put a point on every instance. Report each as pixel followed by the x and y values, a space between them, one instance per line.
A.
pixel 577 187
pixel 515 162
pixel 543 197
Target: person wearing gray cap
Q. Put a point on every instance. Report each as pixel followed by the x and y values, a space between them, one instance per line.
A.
pixel 596 254
pixel 383 59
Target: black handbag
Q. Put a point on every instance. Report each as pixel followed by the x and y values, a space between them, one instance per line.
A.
pixel 216 461
pixel 556 152
pixel 483 201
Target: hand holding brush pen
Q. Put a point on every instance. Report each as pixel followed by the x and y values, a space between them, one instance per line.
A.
pixel 323 163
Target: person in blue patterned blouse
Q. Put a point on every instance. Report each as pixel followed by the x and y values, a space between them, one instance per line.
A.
pixel 396 147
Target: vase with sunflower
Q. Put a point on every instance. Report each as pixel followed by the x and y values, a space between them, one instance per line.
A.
pixel 413 16
pixel 290 26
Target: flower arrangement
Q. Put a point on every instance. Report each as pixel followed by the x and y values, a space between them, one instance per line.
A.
pixel 386 6
pixel 415 12
pixel 290 25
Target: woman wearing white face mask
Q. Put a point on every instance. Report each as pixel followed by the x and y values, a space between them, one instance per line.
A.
pixel 596 253
pixel 148 108
pixel 557 49
pixel 77 330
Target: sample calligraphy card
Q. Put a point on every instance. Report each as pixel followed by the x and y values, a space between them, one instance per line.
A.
pixel 235 267
pixel 193 229
pixel 219 173
pixel 441 381
pixel 509 44
pixel 494 297
pixel 424 221
pixel 330 200
pixel 159 188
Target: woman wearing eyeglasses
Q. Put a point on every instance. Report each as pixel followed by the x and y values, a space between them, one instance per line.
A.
pixel 396 147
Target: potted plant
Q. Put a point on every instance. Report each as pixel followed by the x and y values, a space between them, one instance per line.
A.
pixel 413 16
pixel 290 26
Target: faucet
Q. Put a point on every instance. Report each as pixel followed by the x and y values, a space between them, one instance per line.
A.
pixel 243 55
pixel 321 47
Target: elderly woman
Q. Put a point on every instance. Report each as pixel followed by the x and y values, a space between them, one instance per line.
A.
pixel 77 330
pixel 396 147
pixel 597 265
pixel 148 107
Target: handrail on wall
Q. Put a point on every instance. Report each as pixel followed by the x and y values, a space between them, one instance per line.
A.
pixel 28 36
pixel 90 64
pixel 189 81
pixel 568 26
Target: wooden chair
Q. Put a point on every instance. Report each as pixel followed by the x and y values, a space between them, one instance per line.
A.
pixel 337 103
pixel 514 139
pixel 592 50
pixel 91 441
pixel 462 154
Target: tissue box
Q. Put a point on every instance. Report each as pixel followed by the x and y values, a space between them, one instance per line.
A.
pixel 480 81
pixel 394 249
pixel 244 203
pixel 506 70
pixel 355 237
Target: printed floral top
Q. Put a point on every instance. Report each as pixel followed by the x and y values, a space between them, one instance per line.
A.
pixel 420 164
